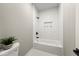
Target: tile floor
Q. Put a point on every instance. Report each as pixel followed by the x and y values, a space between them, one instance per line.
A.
pixel 36 52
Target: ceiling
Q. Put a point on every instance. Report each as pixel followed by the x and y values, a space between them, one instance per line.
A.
pixel 43 6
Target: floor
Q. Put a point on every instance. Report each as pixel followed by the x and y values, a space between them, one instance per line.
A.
pixel 36 52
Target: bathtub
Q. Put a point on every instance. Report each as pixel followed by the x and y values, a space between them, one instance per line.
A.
pixel 53 46
pixel 13 51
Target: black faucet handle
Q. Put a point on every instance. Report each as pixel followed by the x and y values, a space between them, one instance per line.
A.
pixel 37 33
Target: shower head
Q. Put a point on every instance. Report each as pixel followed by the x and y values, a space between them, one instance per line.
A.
pixel 37 17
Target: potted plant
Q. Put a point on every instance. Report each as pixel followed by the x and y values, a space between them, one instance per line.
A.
pixel 6 43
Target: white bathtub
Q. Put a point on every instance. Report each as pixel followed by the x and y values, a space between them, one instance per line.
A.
pixel 13 51
pixel 54 47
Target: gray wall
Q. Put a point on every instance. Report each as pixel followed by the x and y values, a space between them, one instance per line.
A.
pixel 17 21
pixel 68 28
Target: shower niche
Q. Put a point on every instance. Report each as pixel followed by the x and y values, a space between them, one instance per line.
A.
pixel 48 27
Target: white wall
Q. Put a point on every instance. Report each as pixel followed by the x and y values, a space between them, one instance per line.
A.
pixel 17 21
pixel 35 23
pixel 77 26
pixel 48 31
pixel 60 23
pixel 68 28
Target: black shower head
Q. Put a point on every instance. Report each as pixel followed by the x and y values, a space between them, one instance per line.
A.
pixel 37 17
